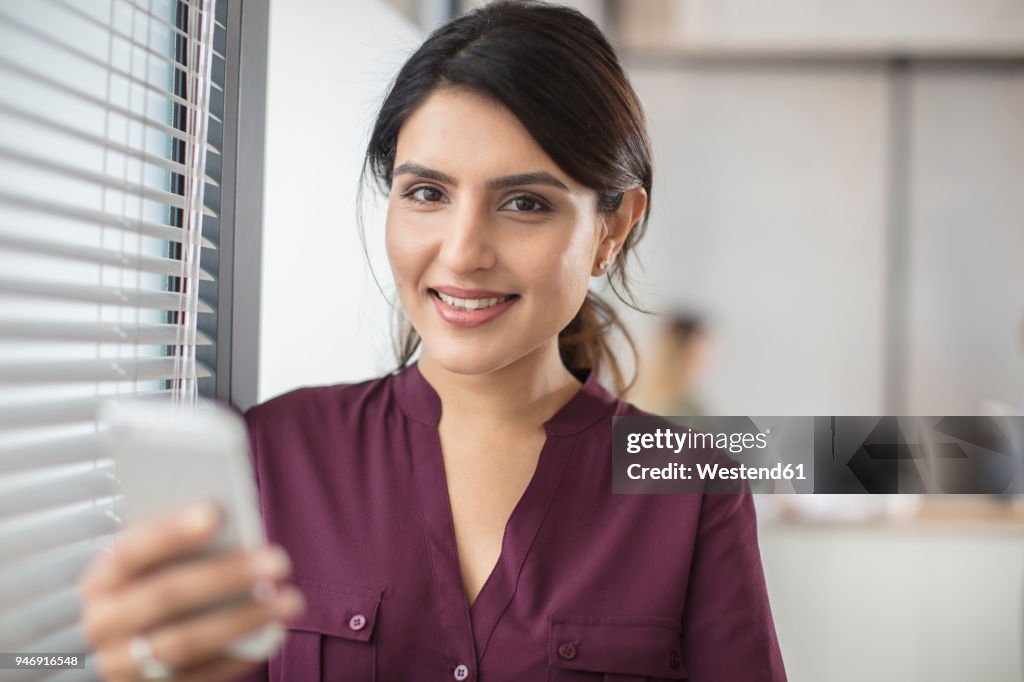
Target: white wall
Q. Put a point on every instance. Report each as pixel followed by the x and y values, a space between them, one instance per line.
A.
pixel 966 322
pixel 992 27
pixel 322 319
pixel 888 601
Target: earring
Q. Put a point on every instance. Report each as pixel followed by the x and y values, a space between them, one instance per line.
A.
pixel 611 254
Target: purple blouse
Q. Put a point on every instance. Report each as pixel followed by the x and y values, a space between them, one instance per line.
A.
pixel 588 585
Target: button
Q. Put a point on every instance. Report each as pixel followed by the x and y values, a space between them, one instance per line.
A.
pixel 567 650
pixel 357 622
pixel 461 672
pixel 674 661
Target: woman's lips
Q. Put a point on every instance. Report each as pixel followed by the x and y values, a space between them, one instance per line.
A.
pixel 470 318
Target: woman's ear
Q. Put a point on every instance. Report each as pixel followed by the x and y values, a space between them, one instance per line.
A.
pixel 616 228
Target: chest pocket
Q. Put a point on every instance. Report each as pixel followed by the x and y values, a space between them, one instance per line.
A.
pixel 334 638
pixel 614 649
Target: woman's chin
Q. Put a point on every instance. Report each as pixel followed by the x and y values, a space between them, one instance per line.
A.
pixel 466 358
pixel 467 363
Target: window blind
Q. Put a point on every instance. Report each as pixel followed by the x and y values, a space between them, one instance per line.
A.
pixel 110 120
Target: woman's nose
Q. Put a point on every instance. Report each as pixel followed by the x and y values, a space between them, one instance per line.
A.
pixel 467 243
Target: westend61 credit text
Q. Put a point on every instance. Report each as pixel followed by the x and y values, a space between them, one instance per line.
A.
pixel 667 439
pixel 958 454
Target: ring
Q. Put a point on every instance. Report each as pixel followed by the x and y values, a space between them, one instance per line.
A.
pixel 149 667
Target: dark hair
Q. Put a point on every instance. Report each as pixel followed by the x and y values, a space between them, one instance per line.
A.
pixel 555 71
pixel 684 326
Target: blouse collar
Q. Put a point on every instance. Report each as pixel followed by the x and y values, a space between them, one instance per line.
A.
pixel 591 402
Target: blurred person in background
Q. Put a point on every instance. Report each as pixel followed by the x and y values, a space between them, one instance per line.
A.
pixel 670 373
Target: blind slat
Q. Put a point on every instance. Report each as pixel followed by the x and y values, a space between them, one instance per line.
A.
pixel 57 491
pixel 64 89
pixel 48 573
pixel 155 300
pixel 68 371
pixel 56 43
pixel 118 222
pixel 140 334
pixel 85 16
pixel 49 453
pixel 99 141
pixel 22 626
pixel 100 179
pixel 163 22
pixel 197 8
pixel 26 537
pixel 92 254
pixel 35 413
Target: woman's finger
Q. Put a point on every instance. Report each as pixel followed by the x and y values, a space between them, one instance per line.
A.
pixel 184 645
pixel 148 544
pixel 180 589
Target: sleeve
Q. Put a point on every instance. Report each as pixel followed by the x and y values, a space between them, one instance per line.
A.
pixel 250 425
pixel 728 630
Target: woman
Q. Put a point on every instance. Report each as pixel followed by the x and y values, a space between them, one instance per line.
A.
pixel 453 520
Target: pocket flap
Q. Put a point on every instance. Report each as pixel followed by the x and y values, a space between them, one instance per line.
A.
pixel 337 609
pixel 643 646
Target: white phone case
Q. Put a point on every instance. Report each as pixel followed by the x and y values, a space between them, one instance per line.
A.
pixel 169 455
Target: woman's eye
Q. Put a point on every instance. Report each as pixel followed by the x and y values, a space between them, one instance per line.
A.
pixel 423 195
pixel 525 204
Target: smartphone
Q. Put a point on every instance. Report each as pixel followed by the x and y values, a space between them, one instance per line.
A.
pixel 168 455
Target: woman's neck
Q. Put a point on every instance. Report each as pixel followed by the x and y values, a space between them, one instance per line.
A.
pixel 521 395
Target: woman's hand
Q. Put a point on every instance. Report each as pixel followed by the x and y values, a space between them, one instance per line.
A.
pixel 133 590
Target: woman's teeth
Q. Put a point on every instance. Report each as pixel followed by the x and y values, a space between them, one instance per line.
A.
pixel 471 303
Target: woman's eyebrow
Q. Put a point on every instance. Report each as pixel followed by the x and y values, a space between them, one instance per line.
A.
pixel 412 168
pixel 532 178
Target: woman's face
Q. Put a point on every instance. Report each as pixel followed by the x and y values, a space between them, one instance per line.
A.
pixel 491 244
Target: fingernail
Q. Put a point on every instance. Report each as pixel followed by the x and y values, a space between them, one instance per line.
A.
pixel 289 603
pixel 200 516
pixel 270 561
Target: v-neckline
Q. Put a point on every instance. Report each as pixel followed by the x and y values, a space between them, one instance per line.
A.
pixel 521 527
pixel 510 522
pixel 419 401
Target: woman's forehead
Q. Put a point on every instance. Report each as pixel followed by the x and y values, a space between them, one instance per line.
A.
pixel 460 132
